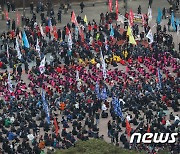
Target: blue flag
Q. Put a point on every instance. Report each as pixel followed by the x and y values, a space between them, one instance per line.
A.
pixel 111 31
pixel 25 40
pixel 45 107
pixel 173 22
pixel 50 24
pixel 159 17
pixel 178 26
pixel 159 84
pixel 104 94
pixel 117 107
pixel 97 90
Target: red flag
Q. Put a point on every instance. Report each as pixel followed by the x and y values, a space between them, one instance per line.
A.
pixel 143 21
pixel 67 30
pixel 148 129
pixel 56 127
pixel 81 34
pixel 55 32
pixel 131 17
pixel 73 18
pixel 6 14
pixel 117 9
pixel 128 128
pixel 110 5
pixel 18 18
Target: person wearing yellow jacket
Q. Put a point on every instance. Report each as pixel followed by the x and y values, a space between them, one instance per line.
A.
pixel 93 62
pixel 125 53
pixel 116 58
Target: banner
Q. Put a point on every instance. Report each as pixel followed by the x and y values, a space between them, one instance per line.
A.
pixel 110 5
pixel 18 18
pixel 117 11
pixel 131 18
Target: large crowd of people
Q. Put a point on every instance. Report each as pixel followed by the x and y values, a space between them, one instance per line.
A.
pixel 42 111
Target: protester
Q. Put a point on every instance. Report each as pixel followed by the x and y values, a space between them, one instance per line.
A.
pixel 82 75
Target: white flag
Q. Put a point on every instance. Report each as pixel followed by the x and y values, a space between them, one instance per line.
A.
pixel 103 64
pixel 7 51
pixel 70 41
pixel 38 48
pixel 77 75
pixel 150 36
pixel 106 45
pixel 42 65
pixel 76 33
pixel 10 83
pixel 19 55
pixel 121 18
pixel 149 14
pixel 41 30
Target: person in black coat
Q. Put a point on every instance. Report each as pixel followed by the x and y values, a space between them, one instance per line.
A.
pixel 13 25
pixel 82 6
pixel 19 70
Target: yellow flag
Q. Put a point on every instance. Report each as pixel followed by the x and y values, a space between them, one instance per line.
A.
pixel 131 37
pixel 85 20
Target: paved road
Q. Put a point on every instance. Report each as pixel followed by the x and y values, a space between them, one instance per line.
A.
pixel 93 13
